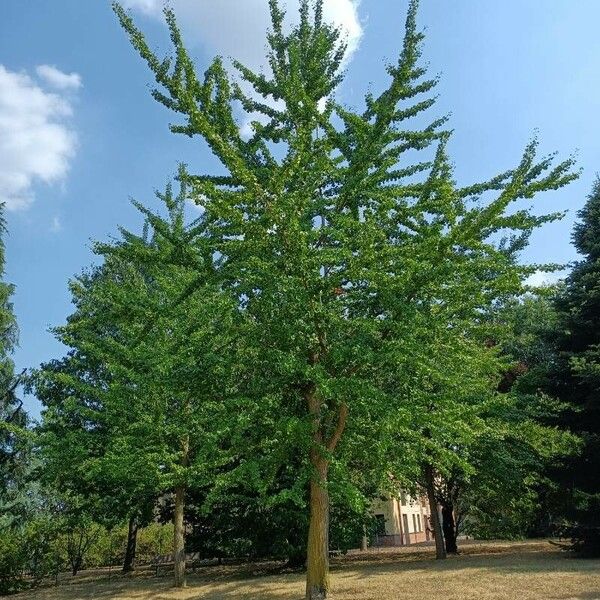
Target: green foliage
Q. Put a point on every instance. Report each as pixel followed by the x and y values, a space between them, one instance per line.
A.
pixel 139 397
pixel 327 243
pixel 503 492
pixel 361 285
pixel 49 544
pixel 14 441
pixel 575 376
pixel 30 553
pixel 12 562
pixel 323 322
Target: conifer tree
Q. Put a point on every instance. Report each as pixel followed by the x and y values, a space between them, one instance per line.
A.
pixel 576 375
pixel 327 241
pixel 13 418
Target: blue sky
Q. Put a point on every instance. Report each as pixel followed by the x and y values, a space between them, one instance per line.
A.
pixel 85 135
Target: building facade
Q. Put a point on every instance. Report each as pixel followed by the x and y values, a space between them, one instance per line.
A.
pixel 402 520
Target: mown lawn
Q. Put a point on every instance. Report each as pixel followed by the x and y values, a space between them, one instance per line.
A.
pixel 511 571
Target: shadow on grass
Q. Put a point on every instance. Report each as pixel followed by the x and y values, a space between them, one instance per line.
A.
pixel 540 561
pixel 271 581
pixel 148 589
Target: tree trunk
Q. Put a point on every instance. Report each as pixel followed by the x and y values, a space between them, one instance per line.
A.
pixel 179 537
pixel 317 550
pixel 129 561
pixel 449 528
pixel 76 566
pixel 440 550
pixel 317 562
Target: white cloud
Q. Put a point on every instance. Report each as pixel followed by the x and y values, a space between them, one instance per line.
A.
pixel 36 140
pixel 236 28
pixel 542 278
pixel 57 79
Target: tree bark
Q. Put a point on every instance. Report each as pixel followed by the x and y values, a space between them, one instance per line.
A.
pixel 179 537
pixel 129 560
pixel 440 550
pixel 449 527
pixel 317 549
pixel 317 562
pixel 178 517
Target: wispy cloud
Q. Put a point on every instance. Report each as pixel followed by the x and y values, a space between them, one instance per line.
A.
pixel 56 225
pixel 57 79
pixel 37 142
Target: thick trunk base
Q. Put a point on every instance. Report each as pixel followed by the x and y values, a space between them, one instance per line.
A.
pixel 449 528
pixel 440 550
pixel 317 562
pixel 129 560
pixel 316 593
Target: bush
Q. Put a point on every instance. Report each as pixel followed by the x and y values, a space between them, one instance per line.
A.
pixel 154 540
pixel 30 553
pixel 13 563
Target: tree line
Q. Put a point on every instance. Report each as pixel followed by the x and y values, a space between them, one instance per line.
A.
pixel 342 320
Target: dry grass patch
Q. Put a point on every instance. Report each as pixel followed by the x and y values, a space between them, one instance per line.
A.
pixel 507 571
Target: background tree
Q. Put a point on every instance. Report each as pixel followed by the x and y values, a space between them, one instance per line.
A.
pixel 444 365
pixel 14 443
pixel 74 440
pixel 518 443
pixel 574 376
pixel 156 332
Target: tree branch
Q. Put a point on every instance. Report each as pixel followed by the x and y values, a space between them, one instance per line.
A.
pixel 339 428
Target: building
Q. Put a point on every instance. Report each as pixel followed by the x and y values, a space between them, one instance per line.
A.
pixel 402 520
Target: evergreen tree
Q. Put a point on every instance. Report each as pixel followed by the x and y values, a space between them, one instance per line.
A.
pixel 575 378
pixel 14 442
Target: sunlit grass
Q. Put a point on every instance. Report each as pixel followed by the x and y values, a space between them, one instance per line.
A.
pixel 511 571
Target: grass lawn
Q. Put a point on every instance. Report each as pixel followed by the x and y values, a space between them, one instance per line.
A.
pixel 511 571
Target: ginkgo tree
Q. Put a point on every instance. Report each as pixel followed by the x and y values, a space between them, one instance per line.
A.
pixel 325 236
pixel 141 389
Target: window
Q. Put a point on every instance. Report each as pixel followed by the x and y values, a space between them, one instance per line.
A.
pixel 419 522
pixel 414 522
pixel 380 519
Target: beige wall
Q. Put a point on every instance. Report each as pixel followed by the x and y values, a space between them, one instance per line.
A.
pixel 390 509
pixel 414 527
